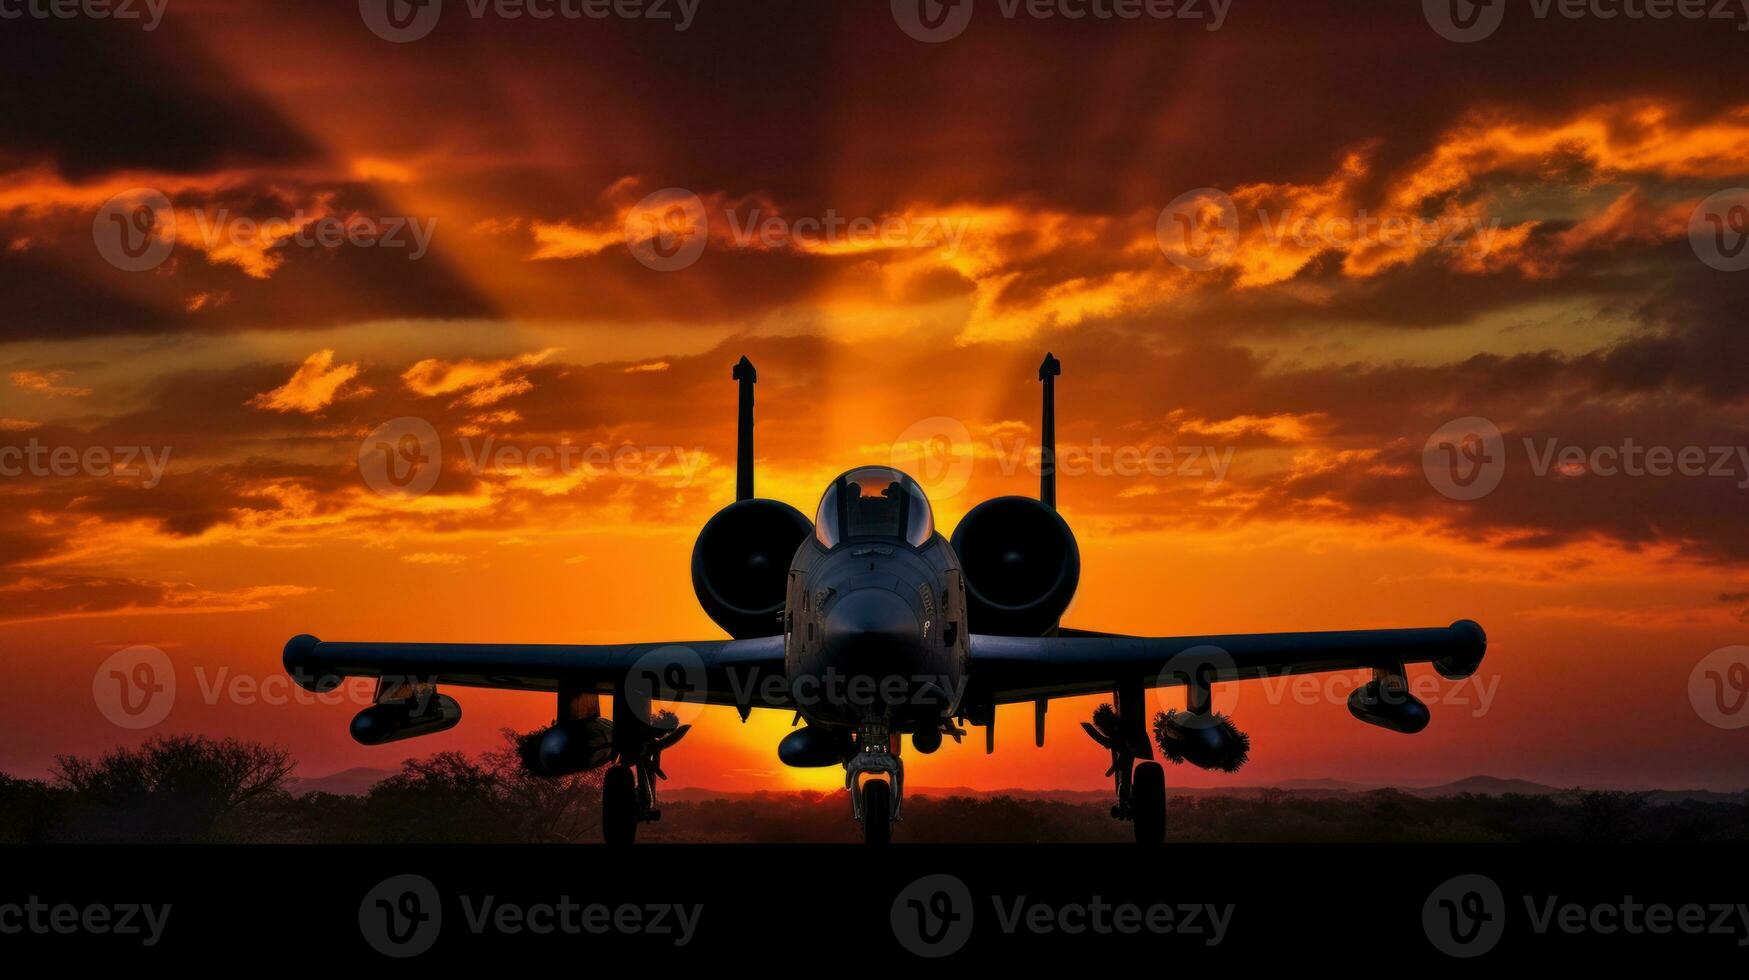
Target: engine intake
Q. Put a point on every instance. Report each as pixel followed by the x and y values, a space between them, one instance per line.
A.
pixel 740 565
pixel 1021 565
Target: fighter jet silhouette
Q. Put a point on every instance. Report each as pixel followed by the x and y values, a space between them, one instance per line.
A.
pixel 871 626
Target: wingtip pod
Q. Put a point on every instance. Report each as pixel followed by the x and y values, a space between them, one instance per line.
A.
pixel 1469 646
pixel 299 660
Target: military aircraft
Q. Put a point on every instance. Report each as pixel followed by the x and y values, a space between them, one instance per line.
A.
pixel 871 626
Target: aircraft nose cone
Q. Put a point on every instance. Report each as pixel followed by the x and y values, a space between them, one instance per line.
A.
pixel 870 624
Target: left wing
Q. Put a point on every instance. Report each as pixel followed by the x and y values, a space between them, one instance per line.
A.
pixel 728 672
pixel 1014 668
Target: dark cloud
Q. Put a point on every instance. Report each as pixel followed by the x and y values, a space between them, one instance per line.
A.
pixel 93 97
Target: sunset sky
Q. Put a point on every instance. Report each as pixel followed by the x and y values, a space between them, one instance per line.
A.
pixel 1017 176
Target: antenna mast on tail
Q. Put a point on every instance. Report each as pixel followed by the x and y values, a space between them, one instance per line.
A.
pixel 747 376
pixel 1047 461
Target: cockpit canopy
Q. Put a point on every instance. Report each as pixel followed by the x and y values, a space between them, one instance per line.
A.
pixel 875 503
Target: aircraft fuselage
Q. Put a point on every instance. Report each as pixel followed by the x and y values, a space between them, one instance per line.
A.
pixel 875 634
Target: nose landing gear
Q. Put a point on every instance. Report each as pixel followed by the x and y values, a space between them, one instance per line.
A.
pixel 1141 788
pixel 874 801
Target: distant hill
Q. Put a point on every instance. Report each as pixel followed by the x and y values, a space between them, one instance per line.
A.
pixel 1488 786
pixel 346 782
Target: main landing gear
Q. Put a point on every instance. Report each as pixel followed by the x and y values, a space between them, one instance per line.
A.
pixel 628 791
pixel 875 777
pixel 1141 788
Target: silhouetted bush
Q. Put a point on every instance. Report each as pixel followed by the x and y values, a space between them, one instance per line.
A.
pixel 172 789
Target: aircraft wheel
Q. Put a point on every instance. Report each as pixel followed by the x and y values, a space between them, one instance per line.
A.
pixel 1148 803
pixel 877 812
pixel 619 806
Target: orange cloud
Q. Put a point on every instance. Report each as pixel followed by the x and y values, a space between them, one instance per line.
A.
pixel 479 383
pixel 312 387
pixel 47 383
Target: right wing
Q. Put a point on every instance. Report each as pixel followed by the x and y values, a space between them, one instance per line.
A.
pixel 1014 668
pixel 744 673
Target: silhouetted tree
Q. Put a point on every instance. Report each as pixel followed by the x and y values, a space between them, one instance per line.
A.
pixel 174 788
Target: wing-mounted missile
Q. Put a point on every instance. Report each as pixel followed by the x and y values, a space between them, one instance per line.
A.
pixel 404 709
pixel 812 747
pixel 1199 735
pixel 740 563
pixel 1208 741
pixel 568 747
pixel 1385 701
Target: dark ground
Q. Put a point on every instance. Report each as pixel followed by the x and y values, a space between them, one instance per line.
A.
pixel 181 790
